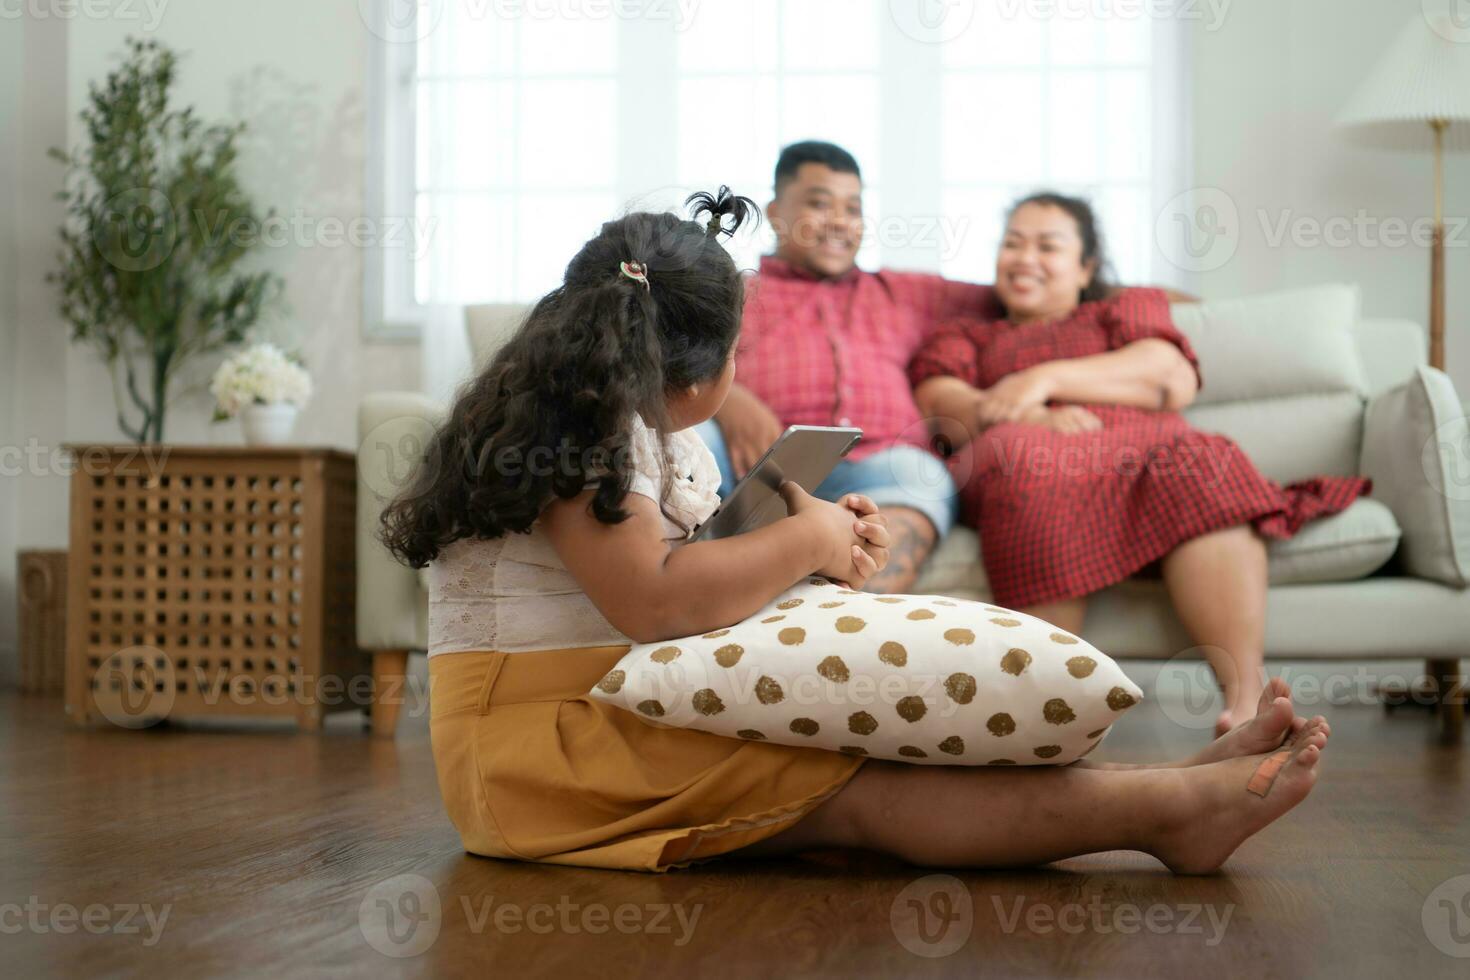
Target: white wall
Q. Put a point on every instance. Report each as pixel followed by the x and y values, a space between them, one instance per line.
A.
pixel 295 73
pixel 10 69
pixel 32 505
pixel 1267 85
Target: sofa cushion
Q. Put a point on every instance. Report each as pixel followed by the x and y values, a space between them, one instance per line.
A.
pixel 1283 377
pixel 916 679
pixel 1291 437
pixel 1294 342
pixel 1338 548
pixel 1416 447
pixel 1383 617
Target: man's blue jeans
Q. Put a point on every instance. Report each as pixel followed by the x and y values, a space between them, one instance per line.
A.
pixel 899 476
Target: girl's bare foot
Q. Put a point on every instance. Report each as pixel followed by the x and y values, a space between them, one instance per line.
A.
pixel 1221 804
pixel 1273 723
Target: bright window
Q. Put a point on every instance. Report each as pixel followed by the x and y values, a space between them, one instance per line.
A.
pixel 510 131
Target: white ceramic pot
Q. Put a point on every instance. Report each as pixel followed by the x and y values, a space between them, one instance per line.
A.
pixel 268 425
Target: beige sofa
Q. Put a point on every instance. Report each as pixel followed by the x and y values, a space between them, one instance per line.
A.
pixel 1290 376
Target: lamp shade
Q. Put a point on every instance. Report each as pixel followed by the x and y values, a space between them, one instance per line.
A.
pixel 1423 76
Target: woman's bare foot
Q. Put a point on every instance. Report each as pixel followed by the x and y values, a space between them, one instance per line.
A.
pixel 1272 724
pixel 1241 696
pixel 1222 804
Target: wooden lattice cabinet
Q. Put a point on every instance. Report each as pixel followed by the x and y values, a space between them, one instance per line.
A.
pixel 208 582
pixel 41 584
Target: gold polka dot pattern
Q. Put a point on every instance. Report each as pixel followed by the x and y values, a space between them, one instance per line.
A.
pixel 1015 661
pixel 923 680
pixel 834 669
pixel 707 702
pixel 960 688
pixel 911 708
pixel 729 655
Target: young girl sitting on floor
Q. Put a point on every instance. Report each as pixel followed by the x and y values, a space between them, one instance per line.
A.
pixel 550 510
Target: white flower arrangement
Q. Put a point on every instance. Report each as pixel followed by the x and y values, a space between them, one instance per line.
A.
pixel 259 375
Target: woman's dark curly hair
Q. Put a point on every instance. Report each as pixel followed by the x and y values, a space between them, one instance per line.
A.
pixel 1080 211
pixel 551 415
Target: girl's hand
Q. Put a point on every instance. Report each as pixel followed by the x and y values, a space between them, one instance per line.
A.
pixel 1014 396
pixel 871 557
pixel 836 530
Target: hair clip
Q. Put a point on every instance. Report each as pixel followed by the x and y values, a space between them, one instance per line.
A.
pixel 714 226
pixel 635 272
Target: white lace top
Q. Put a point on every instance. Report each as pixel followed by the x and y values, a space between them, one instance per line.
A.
pixel 514 595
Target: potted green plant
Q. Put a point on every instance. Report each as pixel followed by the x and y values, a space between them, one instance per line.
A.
pixel 150 266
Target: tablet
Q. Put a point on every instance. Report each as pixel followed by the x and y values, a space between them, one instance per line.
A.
pixel 805 454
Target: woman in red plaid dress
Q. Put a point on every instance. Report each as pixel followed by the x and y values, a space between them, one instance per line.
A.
pixel 1078 470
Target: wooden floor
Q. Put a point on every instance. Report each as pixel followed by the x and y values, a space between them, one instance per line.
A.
pixel 264 849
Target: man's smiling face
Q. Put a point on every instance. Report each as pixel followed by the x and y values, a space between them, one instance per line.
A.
pixel 818 219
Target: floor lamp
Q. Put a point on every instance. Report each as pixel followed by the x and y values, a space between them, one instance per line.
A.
pixel 1421 88
pixel 1416 92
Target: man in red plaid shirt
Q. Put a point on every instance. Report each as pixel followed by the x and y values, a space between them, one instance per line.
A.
pixel 825 343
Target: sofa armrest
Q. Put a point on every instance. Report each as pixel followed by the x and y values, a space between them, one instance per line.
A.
pixel 1416 449
pixel 393 431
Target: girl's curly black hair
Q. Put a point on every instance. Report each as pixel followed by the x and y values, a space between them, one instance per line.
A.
pixel 551 415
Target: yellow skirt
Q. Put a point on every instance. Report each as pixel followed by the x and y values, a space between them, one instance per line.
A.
pixel 532 768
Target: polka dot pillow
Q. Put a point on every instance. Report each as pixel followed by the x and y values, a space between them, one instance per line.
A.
pixel 922 679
